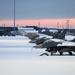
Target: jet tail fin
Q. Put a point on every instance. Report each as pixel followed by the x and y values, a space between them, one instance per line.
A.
pixel 56 34
pixel 60 34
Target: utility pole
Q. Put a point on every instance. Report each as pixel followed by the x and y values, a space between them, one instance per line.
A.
pixel 14 16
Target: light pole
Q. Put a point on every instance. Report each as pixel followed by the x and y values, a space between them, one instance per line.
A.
pixel 14 16
pixel 67 24
pixel 39 24
pixel 57 25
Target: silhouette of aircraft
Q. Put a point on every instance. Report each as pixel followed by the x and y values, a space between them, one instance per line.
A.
pixel 57 44
pixel 53 47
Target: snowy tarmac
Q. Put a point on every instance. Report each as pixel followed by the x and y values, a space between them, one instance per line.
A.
pixel 18 58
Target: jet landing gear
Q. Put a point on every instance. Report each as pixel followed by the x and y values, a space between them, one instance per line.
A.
pixel 65 50
pixel 70 53
pixel 53 50
pixel 44 54
pixel 48 50
pixel 61 53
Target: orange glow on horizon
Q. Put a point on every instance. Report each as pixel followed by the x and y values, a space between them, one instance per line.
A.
pixel 43 22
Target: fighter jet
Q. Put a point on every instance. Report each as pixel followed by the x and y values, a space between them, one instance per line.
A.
pixel 57 44
pixel 53 47
pixel 50 46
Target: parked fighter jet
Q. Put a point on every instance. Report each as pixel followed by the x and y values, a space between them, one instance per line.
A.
pixel 61 47
pixel 54 45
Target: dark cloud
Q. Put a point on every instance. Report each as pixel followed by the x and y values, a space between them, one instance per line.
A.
pixel 37 9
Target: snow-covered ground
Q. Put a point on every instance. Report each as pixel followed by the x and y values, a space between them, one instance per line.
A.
pixel 17 45
pixel 18 58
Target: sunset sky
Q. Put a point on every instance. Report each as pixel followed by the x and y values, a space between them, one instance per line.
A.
pixel 30 12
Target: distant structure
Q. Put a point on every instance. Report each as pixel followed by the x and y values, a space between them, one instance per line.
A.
pixel 67 24
pixel 3 25
pixel 39 24
pixel 7 31
pixel 57 25
pixel 9 28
